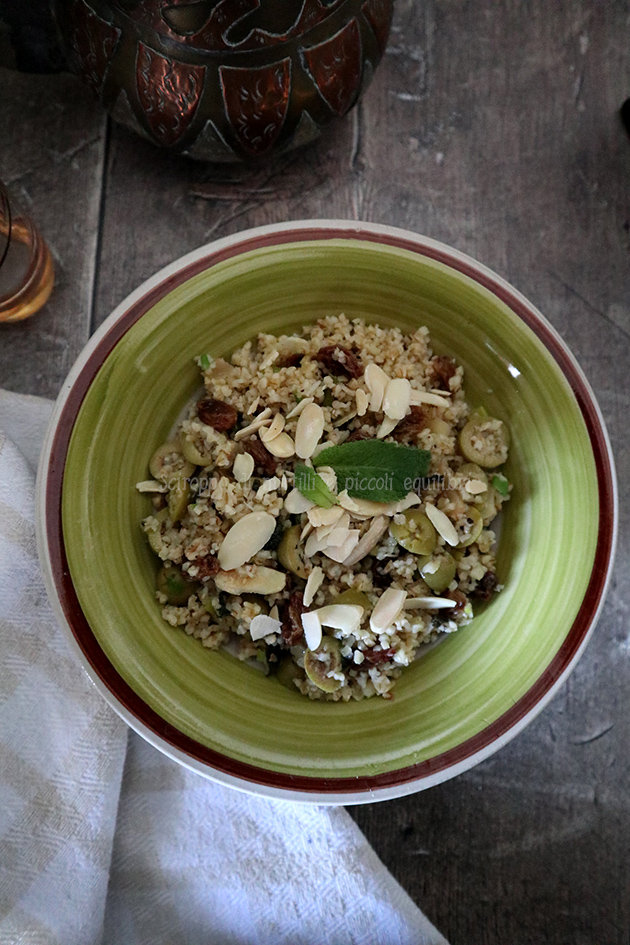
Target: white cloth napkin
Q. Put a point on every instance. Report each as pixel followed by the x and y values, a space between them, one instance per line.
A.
pixel 105 840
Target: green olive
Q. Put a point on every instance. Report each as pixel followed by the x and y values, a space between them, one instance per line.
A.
pixel 177 587
pixel 472 528
pixel 289 552
pixel 194 455
pixel 354 597
pixel 209 607
pixel 491 447
pixel 318 670
pixel 168 463
pixel 416 534
pixel 438 580
pixel 287 672
pixel 438 426
pixel 489 508
pixel 178 499
pixel 154 535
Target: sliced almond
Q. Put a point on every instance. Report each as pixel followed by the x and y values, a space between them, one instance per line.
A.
pixel 329 476
pixel 372 536
pixel 442 524
pixel 299 407
pixel 423 397
pixel 313 584
pixel 253 407
pixel 243 467
pixel 262 626
pixel 308 431
pixel 276 428
pixel 151 485
pixel 312 629
pixel 296 503
pixel 387 610
pixel 337 536
pixel 363 402
pixel 476 486
pixel 251 579
pixel 340 552
pixel 270 485
pixel 429 603
pixel 386 427
pixel 318 516
pixel 376 380
pixel 245 539
pixel 281 446
pixel 397 398
pixel 314 544
pixel 345 617
pixel 262 420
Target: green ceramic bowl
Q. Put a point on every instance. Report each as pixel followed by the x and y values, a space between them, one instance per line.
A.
pixel 466 697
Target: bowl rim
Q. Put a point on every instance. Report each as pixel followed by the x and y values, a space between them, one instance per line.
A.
pixel 146 721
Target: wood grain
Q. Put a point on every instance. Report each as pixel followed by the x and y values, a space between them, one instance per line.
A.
pixel 493 127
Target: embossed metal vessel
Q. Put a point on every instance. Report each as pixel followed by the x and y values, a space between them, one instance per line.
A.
pixel 225 80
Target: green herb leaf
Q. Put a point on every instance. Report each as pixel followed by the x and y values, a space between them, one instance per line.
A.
pixel 313 487
pixel 372 469
pixel 204 362
pixel 501 484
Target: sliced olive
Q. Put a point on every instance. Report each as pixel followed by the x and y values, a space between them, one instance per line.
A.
pixel 196 456
pixel 320 663
pixel 439 579
pixel 490 505
pixel 154 535
pixel 438 426
pixel 288 671
pixel 178 499
pixel 472 528
pixel 168 462
pixel 485 447
pixel 177 587
pixel 354 597
pixel 209 607
pixel 416 534
pixel 289 552
pixel 328 398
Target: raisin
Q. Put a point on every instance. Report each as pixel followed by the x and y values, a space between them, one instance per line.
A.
pixel 412 424
pixel 276 537
pixel 378 656
pixel 292 630
pixel 217 414
pixel 487 586
pixel 460 602
pixel 290 360
pixel 207 567
pixel 336 359
pixel 265 462
pixel 359 434
pixel 443 370
pixel 379 579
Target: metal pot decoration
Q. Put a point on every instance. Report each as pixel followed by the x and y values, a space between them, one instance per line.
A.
pixel 225 80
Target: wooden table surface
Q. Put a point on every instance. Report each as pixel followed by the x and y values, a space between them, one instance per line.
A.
pixel 493 127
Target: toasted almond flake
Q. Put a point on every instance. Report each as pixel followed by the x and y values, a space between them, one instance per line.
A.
pixel 253 407
pixel 299 407
pixel 281 446
pixel 442 524
pixel 430 567
pixel 308 431
pixel 423 397
pixel 284 485
pixel 270 485
pixel 376 381
pixel 372 536
pixel 318 516
pixel 345 617
pixel 312 629
pixel 296 503
pixel 341 552
pixel 363 402
pixel 262 420
pixel 324 530
pixel 245 539
pixel 268 361
pixel 276 428
pixel 251 579
pixel 393 508
pixel 397 398
pixel 429 603
pixel 151 485
pixel 314 544
pixel 337 536
pixel 262 626
pixel 346 417
pixel 440 392
pixel 274 612
pixel 313 584
pixel 329 476
pixel 387 610
pixel 386 427
pixel 306 531
pixel 476 486
pixel 243 467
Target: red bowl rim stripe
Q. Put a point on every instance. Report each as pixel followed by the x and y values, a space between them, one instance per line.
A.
pixel 125 695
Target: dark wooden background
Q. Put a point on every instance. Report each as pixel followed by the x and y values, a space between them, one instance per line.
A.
pixel 494 127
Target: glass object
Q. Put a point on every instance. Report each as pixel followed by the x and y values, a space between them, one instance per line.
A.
pixel 26 268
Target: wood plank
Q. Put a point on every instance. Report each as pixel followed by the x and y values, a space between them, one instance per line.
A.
pixel 53 136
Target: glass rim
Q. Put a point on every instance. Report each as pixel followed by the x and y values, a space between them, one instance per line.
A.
pixel 5 207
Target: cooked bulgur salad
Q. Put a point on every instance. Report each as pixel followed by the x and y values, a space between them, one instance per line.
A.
pixel 324 509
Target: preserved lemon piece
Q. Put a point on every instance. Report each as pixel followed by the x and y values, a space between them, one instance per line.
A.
pixel 438 573
pixel 177 587
pixel 320 663
pixel 289 552
pixel 484 441
pixel 416 534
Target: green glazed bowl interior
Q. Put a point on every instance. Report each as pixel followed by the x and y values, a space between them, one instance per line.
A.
pixel 547 544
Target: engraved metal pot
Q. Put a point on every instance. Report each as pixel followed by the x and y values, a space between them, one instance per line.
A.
pixel 225 80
